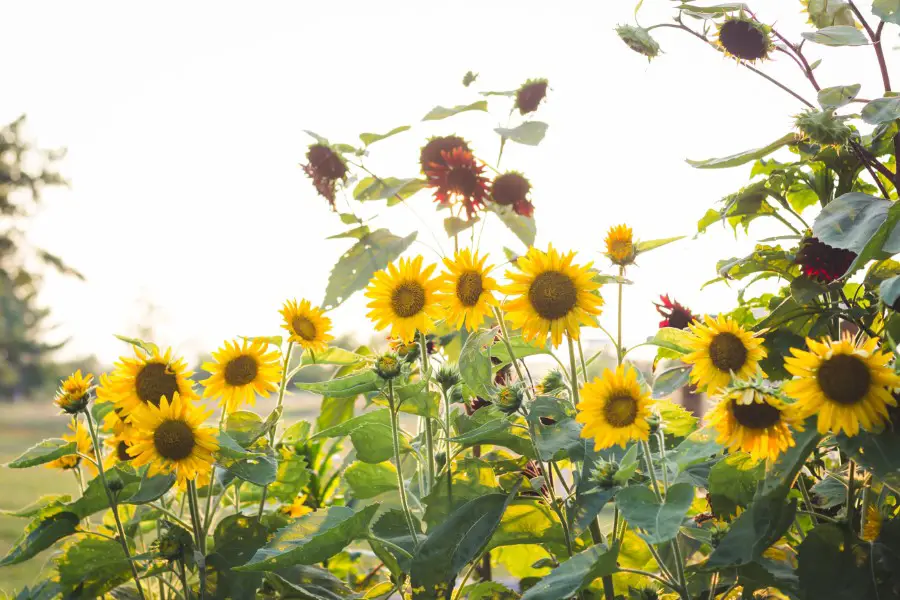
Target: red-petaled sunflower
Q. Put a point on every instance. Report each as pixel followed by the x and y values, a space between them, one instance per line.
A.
pixel 822 262
pixel 433 151
pixel 326 168
pixel 511 189
pixel 459 180
pixel 678 315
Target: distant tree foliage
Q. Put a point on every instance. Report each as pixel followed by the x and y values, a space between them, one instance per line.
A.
pixel 25 171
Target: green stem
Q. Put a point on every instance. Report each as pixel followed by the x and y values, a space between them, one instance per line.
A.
pixel 171 515
pixel 281 390
pixel 429 434
pixel 182 573
pixel 401 485
pixel 212 480
pixel 466 578
pixel 851 494
pixel 651 576
pixel 113 505
pixel 574 371
pixel 648 464
pixel 620 353
pixel 805 493
pixel 504 334
pixel 199 536
pixel 448 453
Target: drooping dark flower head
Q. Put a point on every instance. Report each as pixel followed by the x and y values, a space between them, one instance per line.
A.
pixel 821 262
pixel 745 38
pixel 530 95
pixel 433 152
pixel 326 168
pixel 511 189
pixel 639 40
pixel 675 314
pixel 459 180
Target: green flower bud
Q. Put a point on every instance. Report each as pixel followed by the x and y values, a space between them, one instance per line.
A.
pixel 509 398
pixel 823 127
pixel 553 382
pixel 447 376
pixel 604 473
pixel 639 40
pixel 387 366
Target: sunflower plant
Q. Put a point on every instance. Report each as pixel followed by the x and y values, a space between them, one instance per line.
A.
pixel 452 462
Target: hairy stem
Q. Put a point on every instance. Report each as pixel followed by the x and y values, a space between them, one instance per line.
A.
pixel 401 485
pixel 281 390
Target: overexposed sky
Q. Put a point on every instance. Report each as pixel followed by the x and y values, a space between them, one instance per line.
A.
pixel 184 124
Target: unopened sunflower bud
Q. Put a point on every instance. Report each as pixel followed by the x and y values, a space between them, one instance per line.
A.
pixel 553 382
pixel 639 40
pixel 174 542
pixel 509 398
pixel 604 474
pixel 387 366
pixel 447 376
pixel 823 127
pixel 74 393
pixel 116 485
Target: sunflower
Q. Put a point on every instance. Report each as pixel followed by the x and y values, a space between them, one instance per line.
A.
pixel 722 349
pixel 307 325
pixel 241 372
pixel 72 396
pixel 171 439
pixel 530 95
pixel 460 179
pixel 117 447
pixel 620 245
pixel 750 418
pixel 552 295
pixel 112 420
pixel 511 189
pixel 146 379
pixel 432 153
pixel 874 520
pixel 614 409
pixel 404 297
pixel 297 508
pixel 847 383
pixel 745 39
pixel 326 168
pixel 467 293
pixel 83 445
pixel 821 262
pixel 678 315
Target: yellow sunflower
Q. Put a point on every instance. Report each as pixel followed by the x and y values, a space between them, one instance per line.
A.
pixel 722 349
pixel 551 295
pixel 112 420
pixel 467 293
pixel 753 420
pixel 307 325
pixel 297 508
pixel 117 447
pixel 241 372
pixel 404 298
pixel 83 444
pixel 72 395
pixel 147 378
pixel 874 519
pixel 614 409
pixel 620 245
pixel 170 438
pixel 847 383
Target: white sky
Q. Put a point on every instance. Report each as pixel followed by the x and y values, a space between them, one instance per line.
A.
pixel 184 128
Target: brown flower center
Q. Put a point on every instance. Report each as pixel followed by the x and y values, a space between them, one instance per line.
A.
pixel 743 39
pixel 844 378
pixel 408 299
pixel 303 327
pixel 241 370
pixel 758 415
pixel 620 410
pixel 727 352
pixel 154 382
pixel 174 440
pixel 462 181
pixel 122 452
pixel 469 288
pixel 552 295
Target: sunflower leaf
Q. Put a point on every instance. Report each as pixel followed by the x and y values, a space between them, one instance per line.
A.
pixel 743 158
pixel 837 35
pixel 370 138
pixel 577 573
pixel 838 96
pixel 524 228
pixel 370 434
pixel 530 133
pixel 345 387
pixel 42 453
pixel 368 480
pixel 672 339
pixel 887 10
pixel 441 112
pixel 660 520
pixel 43 531
pixel 648 245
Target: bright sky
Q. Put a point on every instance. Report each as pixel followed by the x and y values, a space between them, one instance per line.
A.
pixel 184 125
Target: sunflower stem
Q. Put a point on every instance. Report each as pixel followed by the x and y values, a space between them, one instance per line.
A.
pixel 182 574
pixel 212 479
pixel 429 433
pixel 199 536
pixel 805 493
pixel 113 505
pixel 574 370
pixel 620 351
pixel 504 334
pixel 851 493
pixel 281 389
pixel 401 485
pixel 447 447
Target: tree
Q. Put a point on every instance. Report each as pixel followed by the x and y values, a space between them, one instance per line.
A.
pixel 25 171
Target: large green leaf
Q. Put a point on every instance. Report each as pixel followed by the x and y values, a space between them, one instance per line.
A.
pixel 575 574
pixel 370 138
pixel 529 133
pixel 877 452
pixel 237 537
pixel 368 480
pixel 660 520
pixel 150 489
pixel 887 10
pixel 370 434
pixel 670 381
pixel 838 96
pixel 357 266
pixel 392 189
pixel 475 366
pixel 312 538
pixel 671 339
pixel 881 110
pixel 256 467
pixel 334 411
pixel 490 426
pixel 851 221
pixel 43 531
pixel 648 245
pixel 732 483
pixel 757 528
pixel 889 290
pixel 441 112
pixel 830 566
pixel 743 158
pixel 414 399
pixel 245 427
pixel 334 355
pixel 524 228
pixel 455 543
pixel 91 567
pixel 95 499
pixel 528 521
pixel 556 433
pixel 350 386
pixel 42 453
pixel 837 35
pixel 520 348
pixel 780 473
pixel 392 527
pixel 37 506
pixel 291 477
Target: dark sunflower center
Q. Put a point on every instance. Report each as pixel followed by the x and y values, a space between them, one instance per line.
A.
pixel 620 410
pixel 408 299
pixel 155 381
pixel 552 295
pixel 756 415
pixel 174 440
pixel 844 378
pixel 241 370
pixel 727 352
pixel 743 39
pixel 304 328
pixel 680 318
pixel 462 181
pixel 122 452
pixel 469 288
